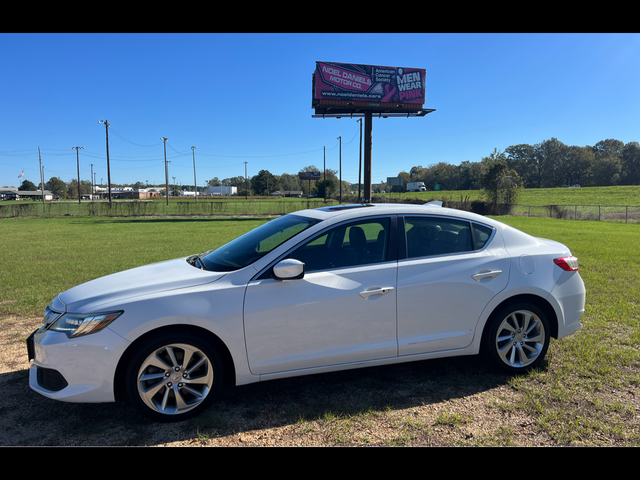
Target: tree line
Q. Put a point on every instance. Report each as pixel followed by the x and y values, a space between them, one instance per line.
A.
pixel 547 164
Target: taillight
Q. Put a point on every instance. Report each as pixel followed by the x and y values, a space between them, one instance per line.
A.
pixel 569 264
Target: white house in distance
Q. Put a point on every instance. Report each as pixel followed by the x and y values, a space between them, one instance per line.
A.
pixel 223 190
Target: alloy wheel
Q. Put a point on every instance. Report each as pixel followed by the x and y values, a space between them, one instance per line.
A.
pixel 175 379
pixel 521 338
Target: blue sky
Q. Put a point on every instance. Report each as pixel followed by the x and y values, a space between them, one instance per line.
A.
pixel 242 97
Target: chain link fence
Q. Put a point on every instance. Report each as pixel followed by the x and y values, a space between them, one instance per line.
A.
pixel 603 213
pixel 152 209
pixel 600 213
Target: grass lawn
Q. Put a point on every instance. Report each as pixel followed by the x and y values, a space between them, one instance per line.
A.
pixel 587 393
pixel 42 257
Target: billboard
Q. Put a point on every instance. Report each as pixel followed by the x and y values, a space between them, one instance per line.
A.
pixel 310 175
pixel 368 85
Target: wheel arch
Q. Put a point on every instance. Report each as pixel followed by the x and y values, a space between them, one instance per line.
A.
pixel 536 300
pixel 209 337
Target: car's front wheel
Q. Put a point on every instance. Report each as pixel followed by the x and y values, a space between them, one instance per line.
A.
pixel 173 377
pixel 517 338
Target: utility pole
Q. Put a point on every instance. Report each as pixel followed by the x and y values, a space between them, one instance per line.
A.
pixel 195 184
pixel 107 125
pixel 166 168
pixel 246 182
pixel 92 181
pixel 360 163
pixel 78 158
pixel 41 180
pixel 340 138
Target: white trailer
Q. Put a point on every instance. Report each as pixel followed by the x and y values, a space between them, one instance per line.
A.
pixel 416 187
pixel 223 190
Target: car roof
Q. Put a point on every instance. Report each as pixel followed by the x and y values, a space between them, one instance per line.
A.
pixel 347 211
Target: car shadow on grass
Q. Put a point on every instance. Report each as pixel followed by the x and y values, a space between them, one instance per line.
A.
pixel 28 419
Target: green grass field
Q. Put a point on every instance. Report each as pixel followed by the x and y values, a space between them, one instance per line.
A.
pixel 586 394
pixel 44 256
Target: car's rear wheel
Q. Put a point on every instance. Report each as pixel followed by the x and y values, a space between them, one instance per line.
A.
pixel 173 377
pixel 517 338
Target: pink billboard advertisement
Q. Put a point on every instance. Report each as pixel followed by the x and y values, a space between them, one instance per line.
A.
pixel 368 83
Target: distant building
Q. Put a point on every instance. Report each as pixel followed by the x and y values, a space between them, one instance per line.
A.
pixel 11 193
pixel 223 190
pixel 291 193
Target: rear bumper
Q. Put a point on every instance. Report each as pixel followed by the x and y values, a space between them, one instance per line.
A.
pixel 570 294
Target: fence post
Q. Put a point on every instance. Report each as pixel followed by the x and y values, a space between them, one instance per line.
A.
pixel 575 212
pixel 626 214
pixel 598 212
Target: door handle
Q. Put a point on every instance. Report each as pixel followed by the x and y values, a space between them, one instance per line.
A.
pixel 486 274
pixel 375 291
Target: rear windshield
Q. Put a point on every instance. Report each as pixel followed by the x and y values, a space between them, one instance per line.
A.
pixel 255 244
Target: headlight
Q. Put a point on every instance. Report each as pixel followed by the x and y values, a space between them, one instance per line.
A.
pixel 76 324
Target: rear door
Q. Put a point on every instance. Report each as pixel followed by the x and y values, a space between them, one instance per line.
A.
pixel 451 269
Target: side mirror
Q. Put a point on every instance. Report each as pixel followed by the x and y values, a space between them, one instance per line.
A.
pixel 288 269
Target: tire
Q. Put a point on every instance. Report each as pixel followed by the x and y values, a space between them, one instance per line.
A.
pixel 517 338
pixel 174 377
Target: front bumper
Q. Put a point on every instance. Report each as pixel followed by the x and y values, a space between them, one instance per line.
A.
pixel 75 369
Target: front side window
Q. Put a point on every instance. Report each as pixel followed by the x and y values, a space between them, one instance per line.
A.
pixel 255 244
pixel 428 236
pixel 357 243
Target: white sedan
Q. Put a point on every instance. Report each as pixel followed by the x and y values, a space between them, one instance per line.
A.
pixel 314 291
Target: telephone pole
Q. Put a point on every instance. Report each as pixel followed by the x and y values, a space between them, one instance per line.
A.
pixel 107 125
pixel 195 184
pixel 78 158
pixel 166 168
pixel 44 210
pixel 92 181
pixel 246 182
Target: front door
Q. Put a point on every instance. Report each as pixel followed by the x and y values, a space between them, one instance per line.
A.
pixel 342 311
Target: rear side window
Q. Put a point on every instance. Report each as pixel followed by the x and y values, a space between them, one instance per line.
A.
pixel 428 236
pixel 480 236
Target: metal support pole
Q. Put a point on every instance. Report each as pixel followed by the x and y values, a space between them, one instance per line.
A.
pixel 340 139
pixel 324 156
pixel 368 127
pixel 360 164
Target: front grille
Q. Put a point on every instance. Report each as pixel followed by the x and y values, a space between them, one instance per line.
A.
pixel 51 380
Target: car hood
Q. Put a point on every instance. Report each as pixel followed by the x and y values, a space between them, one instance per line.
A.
pixel 106 292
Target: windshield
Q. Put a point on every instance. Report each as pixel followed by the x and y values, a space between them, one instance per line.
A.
pixel 255 244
